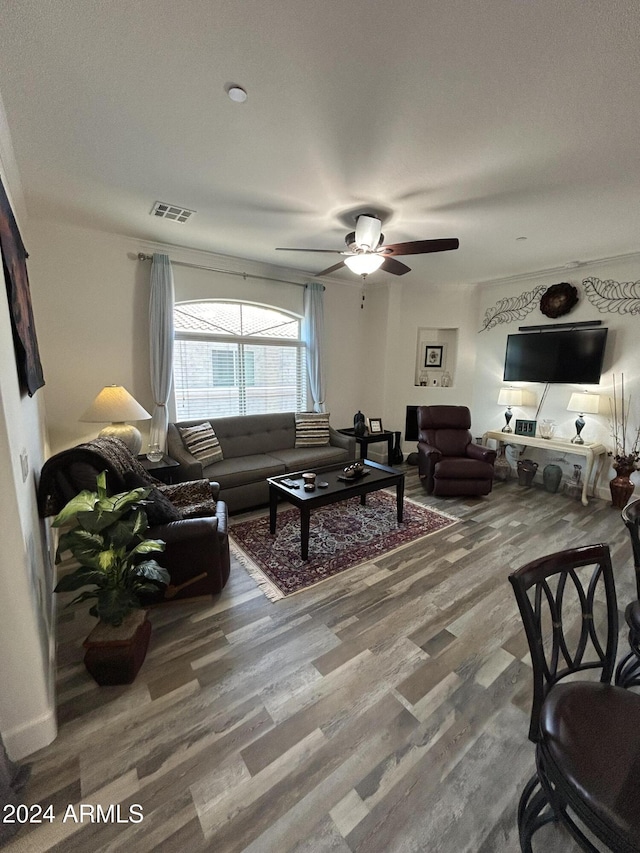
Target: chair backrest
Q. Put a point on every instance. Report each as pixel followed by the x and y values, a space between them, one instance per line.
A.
pixel 445 427
pixel 631 518
pixel 570 616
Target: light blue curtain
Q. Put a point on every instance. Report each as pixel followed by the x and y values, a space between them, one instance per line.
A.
pixel 161 345
pixel 313 336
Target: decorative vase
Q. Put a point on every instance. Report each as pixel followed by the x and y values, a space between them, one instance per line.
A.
pixel 546 428
pixel 526 471
pixel 396 454
pixel 552 477
pixel 154 453
pixel 359 427
pixel 502 467
pixel 573 489
pixel 621 487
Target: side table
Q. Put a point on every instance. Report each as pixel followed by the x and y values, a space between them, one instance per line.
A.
pixel 162 470
pixel 371 438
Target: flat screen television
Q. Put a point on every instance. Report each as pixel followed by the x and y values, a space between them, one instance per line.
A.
pixel 567 355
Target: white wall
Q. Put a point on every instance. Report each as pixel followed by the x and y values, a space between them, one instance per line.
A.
pixel 27 702
pixel 94 294
pixel 394 313
pixel 621 357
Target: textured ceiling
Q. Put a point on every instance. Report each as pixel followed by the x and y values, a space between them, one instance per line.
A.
pixel 485 120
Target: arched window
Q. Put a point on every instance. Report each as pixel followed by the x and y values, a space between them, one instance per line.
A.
pixel 237 358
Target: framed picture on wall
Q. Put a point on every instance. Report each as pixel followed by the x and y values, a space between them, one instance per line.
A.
pixel 434 356
pixel 14 262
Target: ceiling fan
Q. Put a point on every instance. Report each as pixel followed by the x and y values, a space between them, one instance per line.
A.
pixel 365 252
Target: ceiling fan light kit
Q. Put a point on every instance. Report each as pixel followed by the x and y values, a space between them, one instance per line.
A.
pixel 366 254
pixel 364 263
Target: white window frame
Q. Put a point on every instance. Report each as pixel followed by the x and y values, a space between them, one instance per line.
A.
pixel 245 340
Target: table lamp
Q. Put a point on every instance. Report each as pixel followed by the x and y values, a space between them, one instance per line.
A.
pixel 509 397
pixel 582 403
pixel 115 404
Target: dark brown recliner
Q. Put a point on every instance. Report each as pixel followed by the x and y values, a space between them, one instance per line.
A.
pixel 449 463
pixel 188 517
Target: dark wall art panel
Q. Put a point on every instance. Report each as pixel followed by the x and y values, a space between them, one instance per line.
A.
pixel 14 264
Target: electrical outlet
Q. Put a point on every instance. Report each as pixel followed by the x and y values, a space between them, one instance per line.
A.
pixel 24 464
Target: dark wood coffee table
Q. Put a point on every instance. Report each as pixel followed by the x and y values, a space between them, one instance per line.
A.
pixel 378 477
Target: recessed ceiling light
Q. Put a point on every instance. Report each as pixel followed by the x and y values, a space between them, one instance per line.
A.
pixel 236 93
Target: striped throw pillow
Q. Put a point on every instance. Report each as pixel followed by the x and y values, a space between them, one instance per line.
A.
pixel 312 429
pixel 202 443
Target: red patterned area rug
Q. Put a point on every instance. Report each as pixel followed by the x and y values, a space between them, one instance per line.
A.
pixel 341 536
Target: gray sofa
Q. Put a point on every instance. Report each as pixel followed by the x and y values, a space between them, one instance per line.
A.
pixel 255 447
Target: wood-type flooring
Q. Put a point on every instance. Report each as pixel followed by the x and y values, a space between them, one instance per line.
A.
pixel 383 711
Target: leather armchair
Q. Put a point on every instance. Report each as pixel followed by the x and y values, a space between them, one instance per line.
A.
pixel 449 463
pixel 188 517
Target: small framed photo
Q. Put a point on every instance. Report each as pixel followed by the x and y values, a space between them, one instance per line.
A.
pixel 434 355
pixel 375 425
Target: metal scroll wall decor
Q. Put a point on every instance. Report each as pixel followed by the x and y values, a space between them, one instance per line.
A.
pixel 609 297
pixel 512 308
pixel 613 297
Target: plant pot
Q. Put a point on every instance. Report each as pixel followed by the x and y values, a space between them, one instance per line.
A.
pixel 115 654
pixel 621 487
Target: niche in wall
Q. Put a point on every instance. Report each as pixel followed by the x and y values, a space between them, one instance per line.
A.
pixel 436 353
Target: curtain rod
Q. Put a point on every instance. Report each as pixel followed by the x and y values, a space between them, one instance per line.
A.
pixel 245 275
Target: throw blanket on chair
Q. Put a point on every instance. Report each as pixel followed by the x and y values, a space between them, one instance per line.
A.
pixel 67 473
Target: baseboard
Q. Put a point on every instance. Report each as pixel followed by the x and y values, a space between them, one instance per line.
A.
pixel 31 736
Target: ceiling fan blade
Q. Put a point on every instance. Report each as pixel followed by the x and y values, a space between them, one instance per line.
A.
pixel 329 251
pixel 330 269
pixel 420 247
pixel 394 267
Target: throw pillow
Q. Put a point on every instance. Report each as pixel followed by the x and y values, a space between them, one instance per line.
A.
pixel 202 443
pixel 159 509
pixel 312 429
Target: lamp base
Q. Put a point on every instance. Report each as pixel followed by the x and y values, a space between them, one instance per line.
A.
pixel 127 434
pixel 577 439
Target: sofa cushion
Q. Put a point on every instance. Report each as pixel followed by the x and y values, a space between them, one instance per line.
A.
pixel 202 443
pixel 310 458
pixel 242 470
pixel 312 429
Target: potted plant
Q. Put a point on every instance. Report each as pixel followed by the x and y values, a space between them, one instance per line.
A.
pixel 108 540
pixel 626 453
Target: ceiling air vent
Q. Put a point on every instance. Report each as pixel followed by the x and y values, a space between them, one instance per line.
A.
pixel 171 211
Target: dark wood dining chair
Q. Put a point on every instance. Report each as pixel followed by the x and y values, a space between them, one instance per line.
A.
pixel 587 732
pixel 628 670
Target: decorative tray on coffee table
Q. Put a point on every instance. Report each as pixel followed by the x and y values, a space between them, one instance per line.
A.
pixel 346 479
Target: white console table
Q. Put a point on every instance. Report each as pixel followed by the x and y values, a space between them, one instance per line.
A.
pixel 591 452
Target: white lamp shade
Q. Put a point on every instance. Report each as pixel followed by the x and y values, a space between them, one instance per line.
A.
pixel 510 397
pixel 114 404
pixel 584 403
pixel 364 264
